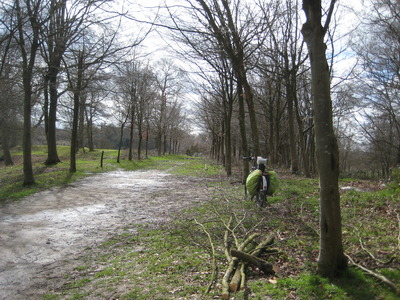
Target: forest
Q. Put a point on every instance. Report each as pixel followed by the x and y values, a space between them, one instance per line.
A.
pixel 311 85
pixel 237 73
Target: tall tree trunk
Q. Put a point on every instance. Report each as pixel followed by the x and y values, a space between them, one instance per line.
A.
pixel 27 137
pixel 228 144
pixel 294 161
pixel 75 119
pixel 242 128
pixel 81 127
pixel 331 257
pixel 28 62
pixel 248 96
pixel 46 106
pixel 291 94
pixel 221 138
pixel 6 150
pixel 89 130
pixel 147 140
pixel 131 133
pixel 164 143
pixel 140 139
pixel 52 155
pixel 302 135
pixel 74 133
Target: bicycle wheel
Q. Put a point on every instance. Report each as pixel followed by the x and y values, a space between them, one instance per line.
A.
pixel 261 198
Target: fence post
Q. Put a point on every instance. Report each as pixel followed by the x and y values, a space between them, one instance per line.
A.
pixel 101 160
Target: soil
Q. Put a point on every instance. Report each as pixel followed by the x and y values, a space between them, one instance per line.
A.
pixel 41 235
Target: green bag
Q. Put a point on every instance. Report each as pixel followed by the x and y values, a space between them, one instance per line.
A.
pixel 252 181
pixel 273 183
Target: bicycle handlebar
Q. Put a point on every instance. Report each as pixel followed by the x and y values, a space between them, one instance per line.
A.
pixel 248 158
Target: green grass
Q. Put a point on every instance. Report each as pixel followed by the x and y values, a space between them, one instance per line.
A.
pixel 87 163
pixel 173 261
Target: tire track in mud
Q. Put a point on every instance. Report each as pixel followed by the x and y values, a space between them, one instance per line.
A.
pixel 41 234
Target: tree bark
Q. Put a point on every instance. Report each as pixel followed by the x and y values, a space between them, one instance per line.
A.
pixel 52 155
pixel 81 126
pixel 140 141
pixel 264 266
pixel 75 120
pixel 6 150
pixel 331 256
pixel 28 53
pixel 242 126
pixel 290 91
pixel 89 129
pixel 131 132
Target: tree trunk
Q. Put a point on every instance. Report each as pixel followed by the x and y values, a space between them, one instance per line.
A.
pixel 159 142
pixel 302 134
pixel 290 79
pixel 228 145
pixel 331 256
pixel 52 156
pixel 81 127
pixel 27 138
pixel 89 130
pixel 76 116
pixel 164 143
pixel 74 133
pixel 6 150
pixel 28 62
pixel 147 142
pixel 242 126
pixel 140 140
pixel 46 107
pixel 252 115
pixel 131 133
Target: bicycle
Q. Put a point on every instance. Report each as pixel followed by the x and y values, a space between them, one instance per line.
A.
pixel 259 181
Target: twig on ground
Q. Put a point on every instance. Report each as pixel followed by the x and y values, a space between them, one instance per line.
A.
pixel 378 276
pixel 213 263
pixel 364 248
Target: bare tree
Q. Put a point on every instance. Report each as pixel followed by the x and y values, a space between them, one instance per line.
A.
pixel 65 27
pixel 228 31
pixel 10 93
pixel 169 87
pixel 331 256
pixel 137 84
pixel 27 16
pixel 144 104
pixel 378 46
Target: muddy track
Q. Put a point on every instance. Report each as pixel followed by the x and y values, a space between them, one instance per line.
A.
pixel 41 235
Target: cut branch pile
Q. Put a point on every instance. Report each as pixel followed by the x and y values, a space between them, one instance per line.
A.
pixel 239 259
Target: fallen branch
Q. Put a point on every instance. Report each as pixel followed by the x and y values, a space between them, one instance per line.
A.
pixel 233 262
pixel 264 266
pixel 213 263
pixel 237 278
pixel 264 244
pixel 225 280
pixel 378 276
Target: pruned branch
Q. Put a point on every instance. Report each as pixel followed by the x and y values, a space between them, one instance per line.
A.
pixel 264 266
pixel 380 277
pixel 213 262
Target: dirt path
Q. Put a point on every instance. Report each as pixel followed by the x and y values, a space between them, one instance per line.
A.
pixel 40 234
